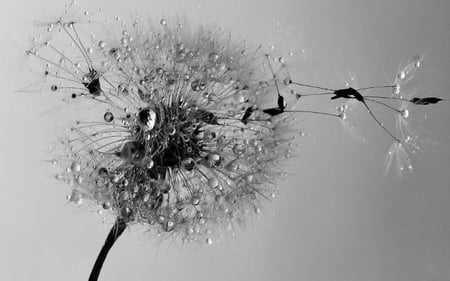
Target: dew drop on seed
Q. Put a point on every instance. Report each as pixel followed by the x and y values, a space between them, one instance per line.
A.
pixel 195 200
pixel 149 164
pixel 287 81
pixel 213 182
pixel 101 44
pixel 405 113
pixel 213 57
pixel 108 117
pixel 75 167
pixel 396 89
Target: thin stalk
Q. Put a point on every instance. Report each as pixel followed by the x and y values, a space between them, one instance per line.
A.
pixel 117 229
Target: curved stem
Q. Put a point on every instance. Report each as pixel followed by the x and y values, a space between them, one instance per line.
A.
pixel 117 229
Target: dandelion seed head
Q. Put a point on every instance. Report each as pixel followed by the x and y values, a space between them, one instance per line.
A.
pixel 167 144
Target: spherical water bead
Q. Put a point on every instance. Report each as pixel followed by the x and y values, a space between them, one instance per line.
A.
pixel 103 172
pixel 101 44
pixel 287 81
pixel 149 164
pixel 108 116
pixel 239 98
pixel 75 167
pixel 213 182
pixel 250 178
pixel 75 197
pixel 396 89
pixel 188 164
pixel 238 149
pixel 168 226
pixel 132 151
pixel 172 131
pixel 213 57
pixel 195 200
pixel 214 159
pixel 341 108
pixel 405 113
pixel 147 118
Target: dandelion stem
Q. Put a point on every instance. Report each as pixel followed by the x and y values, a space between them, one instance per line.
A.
pixel 117 229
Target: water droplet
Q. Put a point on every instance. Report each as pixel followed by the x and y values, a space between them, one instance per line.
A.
pixel 401 75
pixel 405 113
pixel 287 81
pixel 238 149
pixel 103 172
pixel 147 118
pixel 75 167
pixel 188 164
pixel 168 226
pixel 172 131
pixel 213 182
pixel 195 200
pixel 214 159
pixel 396 89
pixel 150 163
pixel 106 205
pixel 213 57
pixel 108 117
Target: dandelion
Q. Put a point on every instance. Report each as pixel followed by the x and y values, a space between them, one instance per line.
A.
pixel 185 138
pixel 188 125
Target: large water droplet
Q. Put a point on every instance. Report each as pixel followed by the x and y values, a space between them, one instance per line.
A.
pixel 213 182
pixel 405 113
pixel 108 117
pixel 213 57
pixel 75 167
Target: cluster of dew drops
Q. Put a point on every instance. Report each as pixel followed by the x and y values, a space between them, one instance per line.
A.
pixel 189 130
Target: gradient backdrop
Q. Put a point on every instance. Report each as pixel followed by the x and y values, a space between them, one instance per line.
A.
pixel 337 218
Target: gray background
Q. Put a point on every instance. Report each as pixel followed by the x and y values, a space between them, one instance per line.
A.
pixel 337 218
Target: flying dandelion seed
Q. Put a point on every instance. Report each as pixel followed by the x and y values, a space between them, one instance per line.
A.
pixel 188 125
